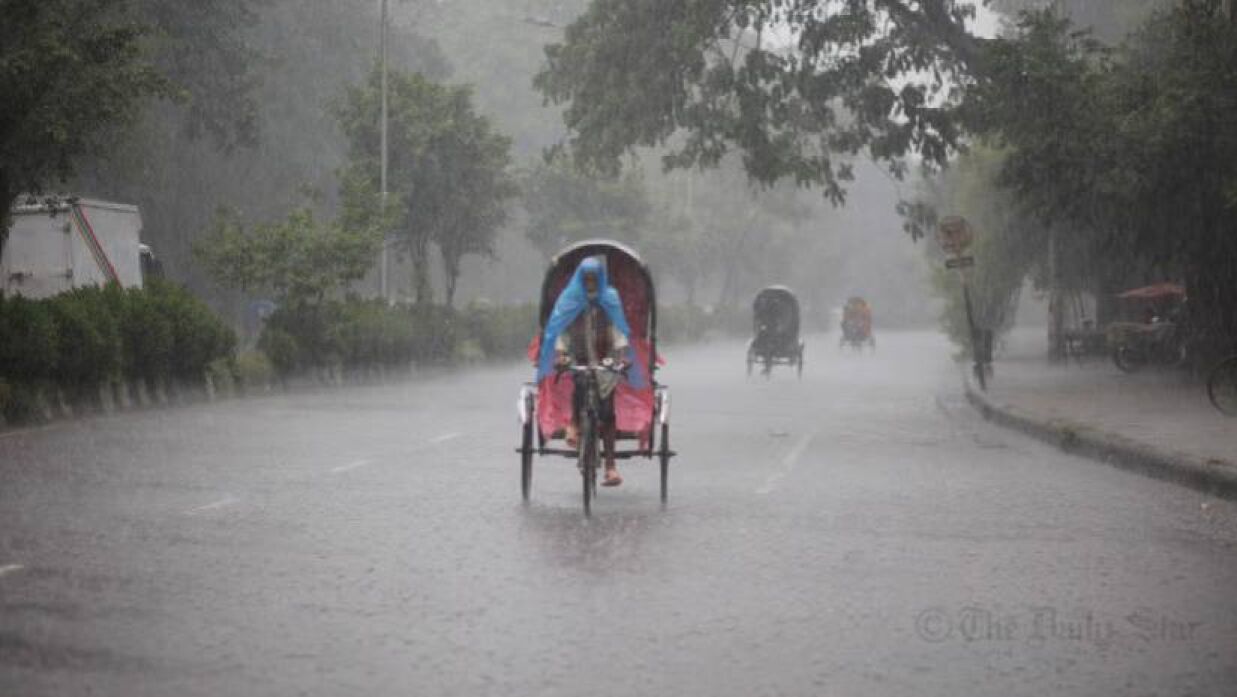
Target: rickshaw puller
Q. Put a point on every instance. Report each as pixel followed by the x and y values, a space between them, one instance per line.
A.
pixel 601 318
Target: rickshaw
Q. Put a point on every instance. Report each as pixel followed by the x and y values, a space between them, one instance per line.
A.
pixel 775 324
pixel 641 405
pixel 857 325
pixel 1157 335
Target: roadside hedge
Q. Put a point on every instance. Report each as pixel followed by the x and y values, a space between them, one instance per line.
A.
pixel 77 342
pixel 357 335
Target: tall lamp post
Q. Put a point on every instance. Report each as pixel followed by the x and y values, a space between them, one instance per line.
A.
pixel 382 50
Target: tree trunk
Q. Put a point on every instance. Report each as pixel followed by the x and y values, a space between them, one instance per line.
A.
pixel 7 199
pixel 451 276
pixel 419 253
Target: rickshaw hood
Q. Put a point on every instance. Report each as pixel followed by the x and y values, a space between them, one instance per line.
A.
pixel 572 302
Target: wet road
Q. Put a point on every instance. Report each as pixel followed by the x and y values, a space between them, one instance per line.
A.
pixel 857 533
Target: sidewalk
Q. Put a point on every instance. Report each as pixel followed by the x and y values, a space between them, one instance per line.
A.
pixel 1155 421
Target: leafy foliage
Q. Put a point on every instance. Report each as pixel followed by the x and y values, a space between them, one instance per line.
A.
pixel 90 336
pixel 204 49
pixel 795 86
pixel 300 259
pixel 255 126
pixel 565 205
pixel 448 169
pixel 1130 150
pixel 71 71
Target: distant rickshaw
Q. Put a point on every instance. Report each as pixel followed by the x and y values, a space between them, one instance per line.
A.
pixel 628 397
pixel 1157 336
pixel 775 320
pixel 857 325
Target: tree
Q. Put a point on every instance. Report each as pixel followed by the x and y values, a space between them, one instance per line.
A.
pixel 255 125
pixel 880 77
pixel 565 205
pixel 204 49
pixel 1131 150
pixel 301 260
pixel 448 170
pixel 71 72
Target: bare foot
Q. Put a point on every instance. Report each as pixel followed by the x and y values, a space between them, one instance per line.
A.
pixel 613 478
pixel 572 436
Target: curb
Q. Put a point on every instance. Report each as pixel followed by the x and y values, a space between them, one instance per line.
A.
pixel 1210 476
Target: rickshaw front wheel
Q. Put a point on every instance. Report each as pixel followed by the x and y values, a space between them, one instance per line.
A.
pixel 526 459
pixel 664 455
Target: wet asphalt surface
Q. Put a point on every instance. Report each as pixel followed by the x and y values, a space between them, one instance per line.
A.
pixel 859 532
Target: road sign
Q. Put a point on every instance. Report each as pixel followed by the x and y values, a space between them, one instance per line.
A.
pixel 954 234
pixel 960 263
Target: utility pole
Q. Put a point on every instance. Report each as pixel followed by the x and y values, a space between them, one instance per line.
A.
pixel 382 50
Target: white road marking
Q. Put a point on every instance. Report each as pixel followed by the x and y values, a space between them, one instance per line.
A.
pixel 445 437
pixel 10 568
pixel 357 464
pixel 788 464
pixel 221 503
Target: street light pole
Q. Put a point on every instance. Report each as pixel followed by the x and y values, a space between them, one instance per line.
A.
pixel 382 50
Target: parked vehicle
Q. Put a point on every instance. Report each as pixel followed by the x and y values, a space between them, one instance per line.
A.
pixel 72 242
pixel 1222 386
pixel 1159 339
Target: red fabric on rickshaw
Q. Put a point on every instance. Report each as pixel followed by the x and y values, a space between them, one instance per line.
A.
pixel 633 408
pixel 1157 290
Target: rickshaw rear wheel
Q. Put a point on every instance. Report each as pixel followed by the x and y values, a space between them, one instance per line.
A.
pixel 1128 359
pixel 526 459
pixel 664 455
pixel 1222 386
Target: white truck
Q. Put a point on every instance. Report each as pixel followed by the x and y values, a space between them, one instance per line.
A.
pixel 55 247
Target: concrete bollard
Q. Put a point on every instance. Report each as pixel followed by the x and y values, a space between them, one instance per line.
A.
pixel 124 394
pixel 62 403
pixel 107 402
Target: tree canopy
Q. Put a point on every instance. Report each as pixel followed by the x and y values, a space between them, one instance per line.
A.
pixel 796 86
pixel 565 205
pixel 300 259
pixel 71 71
pixel 448 170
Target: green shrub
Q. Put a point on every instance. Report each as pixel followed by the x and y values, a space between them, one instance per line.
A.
pixel 89 337
pixel 435 333
pixel 221 373
pixel 254 370
pixel 501 332
pixel 20 403
pixel 81 339
pixel 281 349
pixel 28 340
pixel 149 342
pixel 198 335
